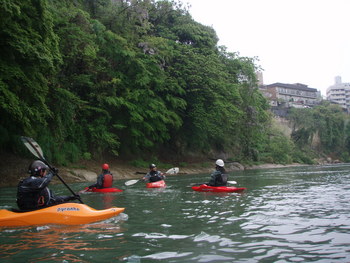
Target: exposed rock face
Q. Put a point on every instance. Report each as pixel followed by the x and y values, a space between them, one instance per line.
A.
pixel 82 175
pixel 234 166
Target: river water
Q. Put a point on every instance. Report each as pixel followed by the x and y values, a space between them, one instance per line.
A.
pixel 299 214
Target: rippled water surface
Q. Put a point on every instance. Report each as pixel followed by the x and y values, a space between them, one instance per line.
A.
pixel 286 215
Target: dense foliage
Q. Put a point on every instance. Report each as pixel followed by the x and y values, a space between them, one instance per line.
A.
pixel 129 78
pixel 324 129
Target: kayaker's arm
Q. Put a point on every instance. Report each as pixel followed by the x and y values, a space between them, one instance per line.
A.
pixel 100 180
pixel 63 199
pixel 41 183
pixel 54 170
pixel 146 177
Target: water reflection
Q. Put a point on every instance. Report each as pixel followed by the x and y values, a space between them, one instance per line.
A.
pixel 62 238
pixel 108 199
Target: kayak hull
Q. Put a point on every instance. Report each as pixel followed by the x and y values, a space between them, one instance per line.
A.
pixel 218 189
pixel 158 184
pixel 103 190
pixel 62 214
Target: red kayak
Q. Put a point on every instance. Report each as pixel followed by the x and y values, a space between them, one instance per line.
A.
pixel 103 190
pixel 158 184
pixel 227 189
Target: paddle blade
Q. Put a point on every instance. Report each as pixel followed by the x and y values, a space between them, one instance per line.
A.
pixel 84 190
pixel 173 170
pixel 131 182
pixel 33 147
pixel 232 182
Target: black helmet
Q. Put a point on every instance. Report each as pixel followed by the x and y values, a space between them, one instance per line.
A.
pixel 152 165
pixel 36 167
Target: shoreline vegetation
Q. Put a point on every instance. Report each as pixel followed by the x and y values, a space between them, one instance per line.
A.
pixel 14 169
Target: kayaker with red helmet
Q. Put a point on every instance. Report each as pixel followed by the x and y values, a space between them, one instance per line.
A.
pixel 33 193
pixel 219 176
pixel 153 175
pixel 105 179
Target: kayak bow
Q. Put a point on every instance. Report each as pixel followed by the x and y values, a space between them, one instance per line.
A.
pixel 227 189
pixel 158 184
pixel 62 214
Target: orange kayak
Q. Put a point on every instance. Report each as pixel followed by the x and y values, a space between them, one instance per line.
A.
pixel 62 214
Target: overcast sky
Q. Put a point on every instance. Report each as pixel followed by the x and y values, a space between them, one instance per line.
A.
pixel 296 41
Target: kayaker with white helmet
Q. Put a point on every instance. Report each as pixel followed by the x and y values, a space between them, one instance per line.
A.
pixel 105 179
pixel 153 175
pixel 33 193
pixel 219 176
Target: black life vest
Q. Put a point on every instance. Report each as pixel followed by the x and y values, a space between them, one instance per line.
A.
pixel 155 176
pixel 221 180
pixel 31 199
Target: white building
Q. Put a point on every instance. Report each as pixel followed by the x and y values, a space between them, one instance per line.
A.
pixel 339 93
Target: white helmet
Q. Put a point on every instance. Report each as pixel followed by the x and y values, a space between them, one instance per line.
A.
pixel 220 163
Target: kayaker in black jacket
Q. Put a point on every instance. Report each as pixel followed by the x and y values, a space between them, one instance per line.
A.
pixel 33 193
pixel 219 176
pixel 153 175
pixel 105 179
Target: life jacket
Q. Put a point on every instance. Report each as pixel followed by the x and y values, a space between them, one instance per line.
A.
pixel 155 176
pixel 107 180
pixel 223 180
pixel 29 199
pixel 220 180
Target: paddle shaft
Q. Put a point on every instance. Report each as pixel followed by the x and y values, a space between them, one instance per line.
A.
pixel 59 177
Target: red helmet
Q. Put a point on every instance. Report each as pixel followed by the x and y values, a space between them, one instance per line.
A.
pixel 105 166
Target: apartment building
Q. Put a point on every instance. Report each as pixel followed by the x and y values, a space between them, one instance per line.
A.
pixel 292 95
pixel 339 93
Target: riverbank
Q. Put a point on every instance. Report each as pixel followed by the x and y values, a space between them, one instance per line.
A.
pixel 13 169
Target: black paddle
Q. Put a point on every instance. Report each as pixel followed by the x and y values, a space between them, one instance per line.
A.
pixel 35 149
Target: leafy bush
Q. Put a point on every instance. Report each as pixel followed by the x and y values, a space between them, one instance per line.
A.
pixel 87 156
pixel 183 164
pixel 139 163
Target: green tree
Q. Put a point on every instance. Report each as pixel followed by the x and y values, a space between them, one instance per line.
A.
pixel 125 77
pixel 326 122
pixel 28 61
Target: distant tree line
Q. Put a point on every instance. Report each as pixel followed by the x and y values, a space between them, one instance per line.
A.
pixel 134 78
